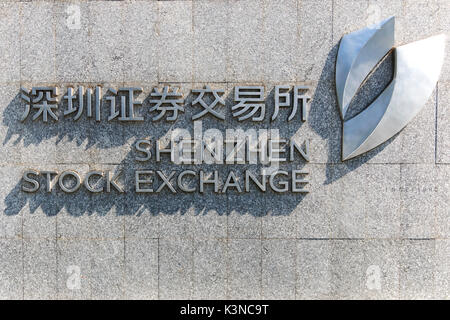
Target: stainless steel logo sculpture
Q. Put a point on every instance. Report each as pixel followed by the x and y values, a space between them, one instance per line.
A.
pixel 417 69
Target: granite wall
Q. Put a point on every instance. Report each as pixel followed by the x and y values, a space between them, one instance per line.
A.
pixel 373 227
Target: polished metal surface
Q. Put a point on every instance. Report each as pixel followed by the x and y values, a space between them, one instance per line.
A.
pixel 359 52
pixel 417 69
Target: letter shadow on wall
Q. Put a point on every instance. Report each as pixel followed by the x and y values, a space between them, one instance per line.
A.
pixel 103 141
pixel 110 146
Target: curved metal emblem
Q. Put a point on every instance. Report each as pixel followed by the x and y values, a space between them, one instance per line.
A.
pixel 417 69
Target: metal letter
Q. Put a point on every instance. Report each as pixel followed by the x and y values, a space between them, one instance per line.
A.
pixel 27 178
pixel 138 181
pixel 296 181
pixel 159 150
pixel 208 108
pixel 295 146
pixel 285 184
pixel 251 100
pixel 166 181
pixel 77 181
pixel 48 175
pixel 180 180
pixel 304 98
pixel 86 181
pixel 275 150
pixel 168 101
pixel 278 103
pixel 140 148
pixel 232 181
pixel 261 185
pixel 112 181
pixel 215 181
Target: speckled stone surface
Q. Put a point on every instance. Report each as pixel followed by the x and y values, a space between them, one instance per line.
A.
pixel 375 227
